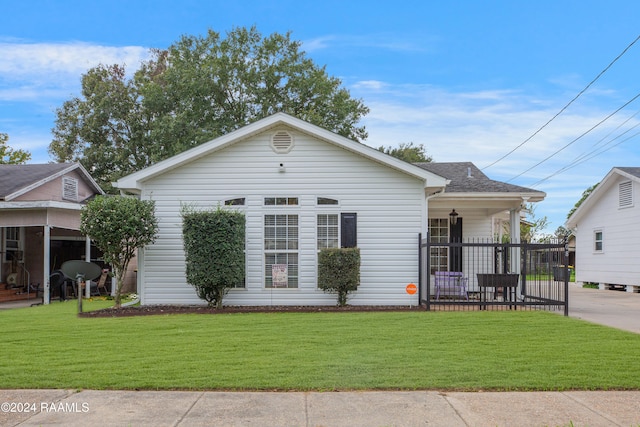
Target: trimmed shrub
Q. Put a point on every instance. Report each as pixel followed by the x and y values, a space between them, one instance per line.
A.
pixel 214 249
pixel 339 272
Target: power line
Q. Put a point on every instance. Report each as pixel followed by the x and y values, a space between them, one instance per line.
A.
pixel 576 139
pixel 566 106
pixel 591 155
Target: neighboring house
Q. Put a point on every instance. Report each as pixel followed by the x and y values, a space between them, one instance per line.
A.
pixel 40 220
pixel 607 231
pixel 303 188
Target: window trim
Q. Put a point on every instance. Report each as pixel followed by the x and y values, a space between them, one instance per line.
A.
pixel 277 251
pixel 443 224
pixel 595 248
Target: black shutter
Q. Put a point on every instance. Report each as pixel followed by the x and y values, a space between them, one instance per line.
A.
pixel 349 230
pixel 455 253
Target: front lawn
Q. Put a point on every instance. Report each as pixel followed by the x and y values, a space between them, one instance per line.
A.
pixel 50 347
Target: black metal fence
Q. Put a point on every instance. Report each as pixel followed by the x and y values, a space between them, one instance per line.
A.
pixel 483 275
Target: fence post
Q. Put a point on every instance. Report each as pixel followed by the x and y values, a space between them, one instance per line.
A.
pixel 419 267
pixel 566 276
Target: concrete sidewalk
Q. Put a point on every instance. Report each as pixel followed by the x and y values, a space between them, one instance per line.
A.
pixel 415 408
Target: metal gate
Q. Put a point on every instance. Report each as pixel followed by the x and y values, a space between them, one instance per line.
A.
pixel 494 276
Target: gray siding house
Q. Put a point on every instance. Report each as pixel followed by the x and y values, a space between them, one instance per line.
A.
pixel 303 188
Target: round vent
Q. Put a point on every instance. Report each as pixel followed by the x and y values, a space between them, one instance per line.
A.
pixel 281 142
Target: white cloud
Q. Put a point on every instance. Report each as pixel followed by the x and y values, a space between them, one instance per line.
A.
pixel 18 61
pixel 483 126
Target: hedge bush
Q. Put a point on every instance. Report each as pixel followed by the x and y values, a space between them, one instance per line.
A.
pixel 214 249
pixel 339 271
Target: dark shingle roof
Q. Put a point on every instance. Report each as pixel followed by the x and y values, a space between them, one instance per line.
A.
pixel 631 171
pixel 465 177
pixel 16 177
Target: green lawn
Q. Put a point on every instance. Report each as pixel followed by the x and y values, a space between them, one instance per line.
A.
pixel 50 347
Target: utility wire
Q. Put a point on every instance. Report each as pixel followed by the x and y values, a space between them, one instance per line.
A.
pixel 566 106
pixel 589 156
pixel 576 139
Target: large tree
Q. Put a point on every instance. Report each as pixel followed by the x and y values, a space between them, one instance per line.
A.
pixel 10 156
pixel 199 88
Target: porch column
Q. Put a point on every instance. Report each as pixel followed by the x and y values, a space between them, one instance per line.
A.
pixel 514 223
pixel 87 257
pixel 46 236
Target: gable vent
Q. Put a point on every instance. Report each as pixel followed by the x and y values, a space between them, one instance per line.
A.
pixel 70 189
pixel 281 142
pixel 625 194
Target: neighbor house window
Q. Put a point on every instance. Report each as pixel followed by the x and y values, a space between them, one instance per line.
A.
pixel 328 231
pixel 439 233
pixel 281 251
pixel 12 243
pixel 598 241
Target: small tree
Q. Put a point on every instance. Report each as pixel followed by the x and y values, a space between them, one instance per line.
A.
pixel 339 272
pixel 119 226
pixel 214 251
pixel 10 156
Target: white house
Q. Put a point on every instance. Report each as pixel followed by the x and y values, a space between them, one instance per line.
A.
pixel 311 189
pixel 607 231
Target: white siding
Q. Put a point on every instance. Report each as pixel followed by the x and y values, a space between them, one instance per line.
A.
pixel 390 206
pixel 618 262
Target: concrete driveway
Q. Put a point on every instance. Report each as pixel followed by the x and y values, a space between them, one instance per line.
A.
pixel 610 308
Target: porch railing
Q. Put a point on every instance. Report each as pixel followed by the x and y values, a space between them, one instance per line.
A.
pixel 494 276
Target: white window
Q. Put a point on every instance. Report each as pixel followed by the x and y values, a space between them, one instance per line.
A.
pixel 598 241
pixel 69 188
pixel 281 251
pixel 240 201
pixel 439 233
pixel 326 201
pixel 281 201
pixel 328 232
pixel 625 194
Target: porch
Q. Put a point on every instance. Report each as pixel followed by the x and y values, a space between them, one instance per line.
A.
pixel 484 275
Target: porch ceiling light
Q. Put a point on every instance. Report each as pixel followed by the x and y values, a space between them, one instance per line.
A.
pixel 453 217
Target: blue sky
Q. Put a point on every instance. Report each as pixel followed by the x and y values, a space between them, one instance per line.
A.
pixel 471 80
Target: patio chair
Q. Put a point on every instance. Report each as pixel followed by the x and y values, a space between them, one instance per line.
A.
pixel 101 285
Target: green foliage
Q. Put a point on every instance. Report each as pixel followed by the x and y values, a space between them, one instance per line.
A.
pixel 119 226
pixel 196 90
pixel 9 156
pixel 214 249
pixel 339 271
pixel 408 152
pixel 105 129
pixel 585 194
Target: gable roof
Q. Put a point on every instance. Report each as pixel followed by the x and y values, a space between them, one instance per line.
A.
pixel 134 181
pixel 466 178
pixel 631 173
pixel 16 180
